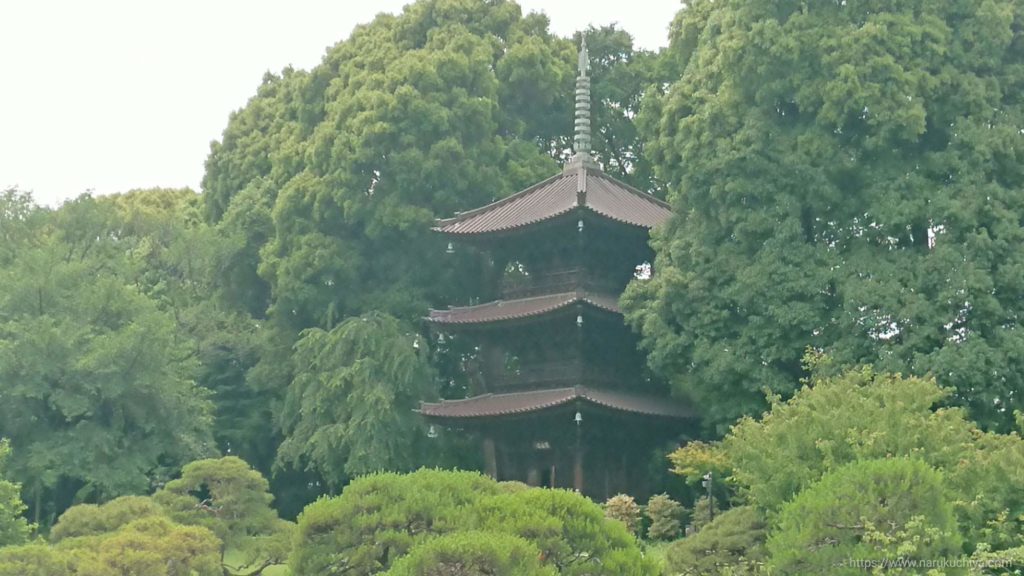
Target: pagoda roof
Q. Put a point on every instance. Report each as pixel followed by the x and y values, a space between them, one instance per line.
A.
pixel 501 310
pixel 580 186
pixel 518 403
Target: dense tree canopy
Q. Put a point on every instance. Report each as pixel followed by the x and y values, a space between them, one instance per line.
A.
pixel 865 462
pixel 97 386
pixel 347 411
pixel 845 176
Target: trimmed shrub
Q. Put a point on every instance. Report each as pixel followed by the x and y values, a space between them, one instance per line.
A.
pixel 472 554
pixel 870 511
pixel 624 508
pixel 665 515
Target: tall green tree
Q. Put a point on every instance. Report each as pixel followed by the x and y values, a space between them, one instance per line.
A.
pixel 99 397
pixel 14 529
pixel 181 262
pixel 349 409
pixel 845 176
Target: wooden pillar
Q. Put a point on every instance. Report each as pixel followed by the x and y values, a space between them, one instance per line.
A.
pixel 490 457
pixel 577 462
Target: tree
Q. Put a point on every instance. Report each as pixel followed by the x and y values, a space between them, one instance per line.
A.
pixel 379 518
pixel 872 511
pixel 623 507
pixel 665 515
pixel 179 261
pixel 732 543
pixel 20 220
pixel 571 531
pixel 36 559
pixel 233 501
pixel 14 529
pixel 472 554
pixel 153 546
pixel 348 410
pixel 92 519
pixel 862 416
pixel 126 536
pixel 98 389
pixel 844 177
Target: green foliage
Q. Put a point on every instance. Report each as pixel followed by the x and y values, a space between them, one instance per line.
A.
pixel 381 518
pixel 695 459
pixel 571 531
pixel 92 519
pixel 233 501
pixel 36 559
pixel 181 263
pixel 14 529
pixel 20 220
pixel 705 510
pixel 99 396
pixel 216 504
pixel 845 177
pixel 870 510
pixel 733 543
pixel 862 415
pixel 348 410
pixel 623 507
pixel 472 554
pixel 126 536
pixel 155 546
pixel 666 517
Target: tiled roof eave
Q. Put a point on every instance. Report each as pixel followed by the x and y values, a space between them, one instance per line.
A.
pixel 518 403
pixel 604 303
pixel 510 228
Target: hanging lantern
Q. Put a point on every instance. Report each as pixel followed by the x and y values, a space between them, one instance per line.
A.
pixel 432 432
pixel 579 418
pixel 579 320
pixel 451 249
pixel 579 225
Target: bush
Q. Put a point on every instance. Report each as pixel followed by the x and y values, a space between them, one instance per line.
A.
pixel 624 508
pixel 733 543
pixel 92 519
pixel 665 515
pixel 869 510
pixel 33 560
pixel 472 554
pixel 570 530
pixel 379 518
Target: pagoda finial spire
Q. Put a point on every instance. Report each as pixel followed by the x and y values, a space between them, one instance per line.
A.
pixel 581 138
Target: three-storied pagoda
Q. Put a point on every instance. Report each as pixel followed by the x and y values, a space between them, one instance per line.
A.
pixel 561 400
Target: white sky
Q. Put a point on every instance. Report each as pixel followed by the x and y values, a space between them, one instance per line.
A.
pixel 110 95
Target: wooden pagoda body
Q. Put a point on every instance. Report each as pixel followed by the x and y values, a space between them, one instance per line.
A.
pixel 560 398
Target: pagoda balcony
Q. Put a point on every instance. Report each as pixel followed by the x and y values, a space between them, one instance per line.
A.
pixel 526 286
pixel 553 375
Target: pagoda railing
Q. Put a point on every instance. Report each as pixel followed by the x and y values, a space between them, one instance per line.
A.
pixel 525 286
pixel 553 375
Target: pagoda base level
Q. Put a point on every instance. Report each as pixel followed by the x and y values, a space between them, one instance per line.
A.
pixel 604 455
